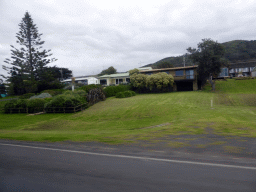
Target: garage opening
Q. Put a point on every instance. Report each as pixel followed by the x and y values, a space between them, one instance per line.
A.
pixel 184 86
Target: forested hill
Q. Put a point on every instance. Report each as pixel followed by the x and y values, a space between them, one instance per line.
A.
pixel 237 50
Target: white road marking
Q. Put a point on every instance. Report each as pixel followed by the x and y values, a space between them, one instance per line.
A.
pixel 133 157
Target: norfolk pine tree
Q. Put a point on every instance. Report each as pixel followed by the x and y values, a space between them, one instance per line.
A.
pixel 28 62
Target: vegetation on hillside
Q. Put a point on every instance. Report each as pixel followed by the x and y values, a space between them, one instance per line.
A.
pixel 236 50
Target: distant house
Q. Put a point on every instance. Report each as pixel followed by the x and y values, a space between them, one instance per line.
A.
pixel 185 78
pixel 118 78
pixel 254 72
pixel 86 80
pixel 239 68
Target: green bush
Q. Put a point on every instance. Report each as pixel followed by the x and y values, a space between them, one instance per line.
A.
pixel 64 102
pixel 95 95
pixel 87 88
pixel 35 105
pixel 113 90
pixel 79 93
pixel 127 93
pixel 48 99
pixel 42 96
pixel 120 95
pixel 133 93
pixel 21 103
pixel 58 101
pixel 10 105
pixel 27 95
pixel 54 92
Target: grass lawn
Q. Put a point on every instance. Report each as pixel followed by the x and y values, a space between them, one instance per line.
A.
pixel 138 118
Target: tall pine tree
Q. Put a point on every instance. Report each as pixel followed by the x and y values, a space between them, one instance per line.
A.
pixel 27 64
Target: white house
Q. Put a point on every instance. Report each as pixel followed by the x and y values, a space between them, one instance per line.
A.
pixel 86 80
pixel 119 78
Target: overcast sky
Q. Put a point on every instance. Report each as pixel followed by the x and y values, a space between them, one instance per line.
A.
pixel 88 36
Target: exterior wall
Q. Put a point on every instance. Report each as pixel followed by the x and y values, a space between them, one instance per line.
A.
pixel 93 80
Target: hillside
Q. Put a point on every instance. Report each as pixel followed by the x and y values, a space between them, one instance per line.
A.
pixel 237 50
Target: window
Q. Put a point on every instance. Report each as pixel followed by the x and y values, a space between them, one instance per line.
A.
pixel 149 73
pixel 246 69
pixel 190 74
pixel 103 81
pixel 167 72
pixel 179 73
pixel 118 81
pixel 128 80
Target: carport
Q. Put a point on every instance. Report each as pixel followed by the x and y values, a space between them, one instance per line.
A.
pixel 184 85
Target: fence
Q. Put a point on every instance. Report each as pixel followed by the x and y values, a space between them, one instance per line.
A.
pixel 48 110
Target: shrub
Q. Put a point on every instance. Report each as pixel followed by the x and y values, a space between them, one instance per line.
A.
pixel 58 101
pixel 9 105
pixel 120 95
pixel 127 93
pixel 113 90
pixel 35 105
pixel 63 102
pixel 27 95
pixel 95 95
pixel 21 103
pixel 133 93
pixel 54 92
pixel 159 82
pixel 48 99
pixel 87 88
pixel 42 96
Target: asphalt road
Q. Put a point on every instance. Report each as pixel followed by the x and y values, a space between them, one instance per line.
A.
pixel 50 167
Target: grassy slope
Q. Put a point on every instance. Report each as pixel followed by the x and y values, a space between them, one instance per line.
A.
pixel 123 120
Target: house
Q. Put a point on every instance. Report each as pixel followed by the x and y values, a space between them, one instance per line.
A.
pixel 185 78
pixel 238 69
pixel 86 80
pixel 254 72
pixel 118 78
pixel 114 79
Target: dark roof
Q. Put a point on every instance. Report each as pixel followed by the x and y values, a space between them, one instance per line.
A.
pixel 243 64
pixel 170 69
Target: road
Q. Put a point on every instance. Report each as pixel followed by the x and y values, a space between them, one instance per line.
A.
pixel 49 167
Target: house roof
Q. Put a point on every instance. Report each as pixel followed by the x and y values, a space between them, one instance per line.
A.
pixel 243 64
pixel 80 78
pixel 115 75
pixel 170 69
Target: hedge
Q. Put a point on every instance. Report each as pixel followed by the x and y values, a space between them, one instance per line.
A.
pixel 113 90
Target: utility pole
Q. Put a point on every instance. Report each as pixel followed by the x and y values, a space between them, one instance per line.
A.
pixel 184 60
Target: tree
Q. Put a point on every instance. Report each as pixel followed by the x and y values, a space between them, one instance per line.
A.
pixel 209 57
pixel 2 87
pixel 59 73
pixel 108 71
pixel 159 82
pixel 28 62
